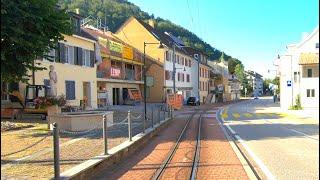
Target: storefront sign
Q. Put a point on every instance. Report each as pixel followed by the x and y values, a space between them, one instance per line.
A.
pixel 135 94
pixel 114 46
pixel 115 72
pixel 176 101
pixel 127 52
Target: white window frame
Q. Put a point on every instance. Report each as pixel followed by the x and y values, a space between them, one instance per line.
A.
pixel 85 57
pixel 70 54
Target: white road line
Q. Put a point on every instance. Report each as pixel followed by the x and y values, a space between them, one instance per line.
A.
pixel 303 134
pixel 251 153
pixel 255 158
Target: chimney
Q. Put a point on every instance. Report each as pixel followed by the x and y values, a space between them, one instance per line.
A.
pixel 77 11
pixel 151 23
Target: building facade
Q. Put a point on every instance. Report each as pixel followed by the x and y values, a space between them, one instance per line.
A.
pixel 256 82
pixel 135 32
pixel 299 72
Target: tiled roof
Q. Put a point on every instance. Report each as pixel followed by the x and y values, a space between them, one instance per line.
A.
pixel 309 58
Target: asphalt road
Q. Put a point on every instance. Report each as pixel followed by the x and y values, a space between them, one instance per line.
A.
pixel 281 147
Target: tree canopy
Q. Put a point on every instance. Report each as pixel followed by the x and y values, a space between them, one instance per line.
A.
pixel 115 12
pixel 29 29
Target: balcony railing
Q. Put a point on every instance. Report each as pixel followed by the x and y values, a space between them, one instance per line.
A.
pixel 119 73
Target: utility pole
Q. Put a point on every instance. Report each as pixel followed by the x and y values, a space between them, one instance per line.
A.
pixel 174 69
pixel 144 86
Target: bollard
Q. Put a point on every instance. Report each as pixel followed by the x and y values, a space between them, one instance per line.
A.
pixel 105 133
pixel 56 153
pixel 129 126
pixel 152 117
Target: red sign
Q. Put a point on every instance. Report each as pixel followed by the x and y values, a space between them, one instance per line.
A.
pixel 115 72
pixel 175 100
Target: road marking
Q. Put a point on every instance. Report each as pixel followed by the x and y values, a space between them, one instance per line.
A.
pixel 253 156
pixel 247 115
pixel 256 159
pixel 236 115
pixel 303 134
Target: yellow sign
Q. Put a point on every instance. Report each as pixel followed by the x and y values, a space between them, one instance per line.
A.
pixel 114 46
pixel 127 52
pixel 103 41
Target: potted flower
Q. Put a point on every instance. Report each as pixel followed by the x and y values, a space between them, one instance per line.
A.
pixel 51 104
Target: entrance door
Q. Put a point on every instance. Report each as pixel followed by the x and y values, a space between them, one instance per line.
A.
pixel 115 96
pixel 87 94
pixel 125 95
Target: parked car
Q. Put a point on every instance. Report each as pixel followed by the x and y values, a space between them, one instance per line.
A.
pixel 193 101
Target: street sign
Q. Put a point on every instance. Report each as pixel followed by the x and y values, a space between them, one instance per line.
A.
pixel 149 81
pixel 289 83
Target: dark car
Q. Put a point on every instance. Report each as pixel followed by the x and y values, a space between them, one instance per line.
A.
pixel 193 101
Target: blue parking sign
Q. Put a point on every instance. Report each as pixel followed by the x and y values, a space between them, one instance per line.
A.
pixel 288 83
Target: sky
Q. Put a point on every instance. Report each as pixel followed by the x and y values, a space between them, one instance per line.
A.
pixel 253 31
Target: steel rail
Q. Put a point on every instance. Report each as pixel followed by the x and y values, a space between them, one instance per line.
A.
pixel 196 159
pixel 162 168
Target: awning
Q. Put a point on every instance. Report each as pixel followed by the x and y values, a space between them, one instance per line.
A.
pixel 309 58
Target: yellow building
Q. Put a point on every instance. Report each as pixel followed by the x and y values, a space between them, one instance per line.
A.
pixel 74 64
pixel 135 32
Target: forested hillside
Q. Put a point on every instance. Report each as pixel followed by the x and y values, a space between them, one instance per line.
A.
pixel 115 12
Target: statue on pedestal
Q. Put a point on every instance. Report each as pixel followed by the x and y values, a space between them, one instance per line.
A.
pixel 53 82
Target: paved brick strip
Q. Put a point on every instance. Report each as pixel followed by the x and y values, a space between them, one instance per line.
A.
pixel 180 165
pixel 145 162
pixel 217 158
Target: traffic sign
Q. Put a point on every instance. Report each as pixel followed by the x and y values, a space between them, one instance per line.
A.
pixel 289 83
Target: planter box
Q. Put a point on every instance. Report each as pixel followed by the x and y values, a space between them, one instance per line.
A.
pixel 81 121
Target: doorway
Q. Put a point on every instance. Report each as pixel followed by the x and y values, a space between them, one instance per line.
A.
pixel 87 94
pixel 115 96
pixel 125 95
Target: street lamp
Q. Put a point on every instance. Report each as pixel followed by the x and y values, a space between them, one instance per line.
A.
pixel 145 81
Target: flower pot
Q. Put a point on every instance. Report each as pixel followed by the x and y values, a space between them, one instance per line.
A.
pixel 52 110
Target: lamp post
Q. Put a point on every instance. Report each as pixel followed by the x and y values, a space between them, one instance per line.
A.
pixel 145 82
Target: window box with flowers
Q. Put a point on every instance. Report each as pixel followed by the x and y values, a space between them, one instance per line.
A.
pixel 51 104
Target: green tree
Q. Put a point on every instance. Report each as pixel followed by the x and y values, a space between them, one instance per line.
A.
pixel 116 12
pixel 266 83
pixel 276 81
pixel 29 29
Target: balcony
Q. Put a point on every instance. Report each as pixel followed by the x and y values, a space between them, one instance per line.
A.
pixel 119 73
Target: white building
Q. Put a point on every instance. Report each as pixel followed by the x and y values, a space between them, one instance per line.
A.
pixel 299 72
pixel 256 81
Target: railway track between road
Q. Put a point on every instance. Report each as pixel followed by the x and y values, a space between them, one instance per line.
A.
pixel 189 167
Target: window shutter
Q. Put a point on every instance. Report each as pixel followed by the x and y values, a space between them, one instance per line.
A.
pixel 70 90
pixel 75 55
pixel 57 53
pixel 62 53
pixel 79 57
pixel 92 58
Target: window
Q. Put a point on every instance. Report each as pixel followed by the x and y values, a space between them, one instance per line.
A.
pixel 188 77
pixel 86 57
pixel 309 72
pixel 167 75
pixel 51 55
pixel 182 75
pixel 70 90
pixel 317 45
pixel 182 60
pixel 296 76
pixel 186 62
pixel 167 55
pixel 69 54
pixel 178 76
pixel 310 93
